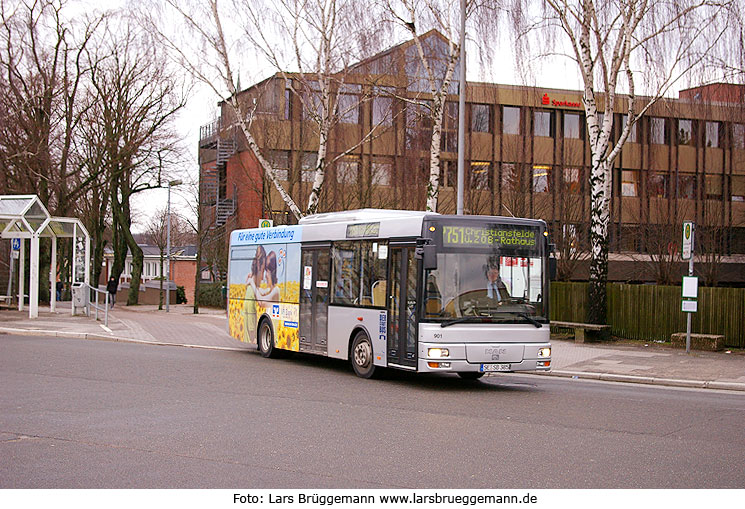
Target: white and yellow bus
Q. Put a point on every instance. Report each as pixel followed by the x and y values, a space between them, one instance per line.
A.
pixel 396 289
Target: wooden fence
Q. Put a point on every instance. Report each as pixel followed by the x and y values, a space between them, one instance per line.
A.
pixel 652 312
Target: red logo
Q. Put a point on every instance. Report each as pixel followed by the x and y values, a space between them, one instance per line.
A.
pixel 546 100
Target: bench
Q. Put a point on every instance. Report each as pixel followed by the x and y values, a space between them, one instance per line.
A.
pixel 584 331
pixel 707 342
pixel 6 301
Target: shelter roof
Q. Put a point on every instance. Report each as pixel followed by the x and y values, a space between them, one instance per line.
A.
pixel 24 215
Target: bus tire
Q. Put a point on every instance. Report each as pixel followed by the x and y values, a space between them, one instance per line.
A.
pixel 266 340
pixel 362 356
pixel 470 375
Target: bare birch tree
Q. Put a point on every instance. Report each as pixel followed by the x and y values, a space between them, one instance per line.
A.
pixel 323 37
pixel 435 69
pixel 308 43
pixel 618 46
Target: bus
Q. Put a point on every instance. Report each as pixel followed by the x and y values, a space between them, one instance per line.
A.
pixel 410 290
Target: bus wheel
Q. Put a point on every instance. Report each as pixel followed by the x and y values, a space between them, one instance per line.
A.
pixel 266 340
pixel 470 375
pixel 362 356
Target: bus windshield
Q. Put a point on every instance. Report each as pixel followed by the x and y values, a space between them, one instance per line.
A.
pixel 482 276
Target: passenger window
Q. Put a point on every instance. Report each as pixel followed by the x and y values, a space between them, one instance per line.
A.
pixel 360 273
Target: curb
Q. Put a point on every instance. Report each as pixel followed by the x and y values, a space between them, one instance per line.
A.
pixel 648 380
pixel 103 337
pixel 585 375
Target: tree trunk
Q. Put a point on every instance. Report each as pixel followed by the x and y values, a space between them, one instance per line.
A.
pixel 433 185
pixel 600 216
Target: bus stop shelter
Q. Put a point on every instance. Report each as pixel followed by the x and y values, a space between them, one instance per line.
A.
pixel 25 217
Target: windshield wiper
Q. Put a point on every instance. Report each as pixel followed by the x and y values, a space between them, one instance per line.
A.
pixel 490 319
pixel 458 320
pixel 529 318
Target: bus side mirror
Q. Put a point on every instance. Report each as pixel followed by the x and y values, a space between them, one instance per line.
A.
pixel 428 254
pixel 552 268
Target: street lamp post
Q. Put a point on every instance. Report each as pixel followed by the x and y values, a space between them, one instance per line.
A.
pixel 168 246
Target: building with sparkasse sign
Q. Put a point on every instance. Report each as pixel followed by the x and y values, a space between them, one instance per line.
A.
pixel 527 155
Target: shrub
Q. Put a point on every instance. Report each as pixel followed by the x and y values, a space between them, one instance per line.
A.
pixel 180 295
pixel 212 294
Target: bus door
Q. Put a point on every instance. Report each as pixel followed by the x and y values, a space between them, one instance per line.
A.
pixel 402 306
pixel 314 299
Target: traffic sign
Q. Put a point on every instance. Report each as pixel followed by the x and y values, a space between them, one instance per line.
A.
pixel 688 228
pixel 15 244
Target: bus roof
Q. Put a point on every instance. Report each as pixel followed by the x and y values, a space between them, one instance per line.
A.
pixel 361 223
pixel 362 215
pixel 393 223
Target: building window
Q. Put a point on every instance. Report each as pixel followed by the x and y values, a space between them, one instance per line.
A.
pixel 712 134
pixel 510 120
pixel 657 185
pixel 713 187
pixel 629 183
pixel 657 130
pixel 737 188
pixel 480 172
pixel 308 166
pixel 288 102
pixel 280 161
pixel 571 180
pixel 347 170
pixel 382 106
pixel 449 141
pixel 348 104
pixel 632 132
pixel 685 132
pixel 312 102
pixel 381 173
pixel 541 178
pixel 419 125
pixel 450 173
pixel 687 187
pixel 738 136
pixel 511 178
pixel 572 125
pixel 543 124
pixel 480 116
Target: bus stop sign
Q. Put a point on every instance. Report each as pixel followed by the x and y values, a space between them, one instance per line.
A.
pixel 15 244
pixel 687 240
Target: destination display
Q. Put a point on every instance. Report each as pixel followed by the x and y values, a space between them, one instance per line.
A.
pixel 507 236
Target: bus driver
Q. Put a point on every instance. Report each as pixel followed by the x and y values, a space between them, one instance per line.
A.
pixel 496 289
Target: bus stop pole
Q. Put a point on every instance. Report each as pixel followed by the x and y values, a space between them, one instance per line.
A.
pixel 690 273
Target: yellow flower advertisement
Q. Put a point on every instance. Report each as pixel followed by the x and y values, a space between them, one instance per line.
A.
pixel 264 281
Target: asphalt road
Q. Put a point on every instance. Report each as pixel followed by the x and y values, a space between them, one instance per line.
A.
pixel 94 414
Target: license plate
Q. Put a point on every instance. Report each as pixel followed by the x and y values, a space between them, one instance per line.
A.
pixel 486 368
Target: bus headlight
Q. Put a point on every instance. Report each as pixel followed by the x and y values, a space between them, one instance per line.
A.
pixel 438 352
pixel 544 352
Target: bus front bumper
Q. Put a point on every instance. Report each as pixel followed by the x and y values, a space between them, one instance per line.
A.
pixel 453 358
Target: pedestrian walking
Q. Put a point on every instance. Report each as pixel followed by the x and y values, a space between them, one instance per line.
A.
pixel 112 287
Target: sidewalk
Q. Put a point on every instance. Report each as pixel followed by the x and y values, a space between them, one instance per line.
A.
pixel 636 363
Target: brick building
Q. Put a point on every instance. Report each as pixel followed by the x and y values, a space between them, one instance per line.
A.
pixel 527 154
pixel 183 271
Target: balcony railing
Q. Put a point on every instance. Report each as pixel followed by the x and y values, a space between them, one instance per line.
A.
pixel 210 130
